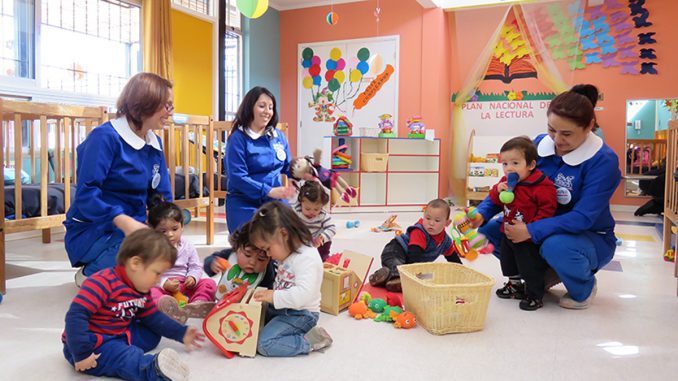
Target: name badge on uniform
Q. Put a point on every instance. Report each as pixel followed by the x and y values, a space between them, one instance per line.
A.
pixel 156 176
pixel 563 195
pixel 280 151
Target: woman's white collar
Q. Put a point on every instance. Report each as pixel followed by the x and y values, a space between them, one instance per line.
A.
pixel 254 135
pixel 585 151
pixel 122 127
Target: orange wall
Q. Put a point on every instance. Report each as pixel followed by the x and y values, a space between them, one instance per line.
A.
pixel 474 27
pixel 424 59
pixel 437 54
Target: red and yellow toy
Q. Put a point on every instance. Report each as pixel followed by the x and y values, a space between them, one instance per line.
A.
pixel 467 241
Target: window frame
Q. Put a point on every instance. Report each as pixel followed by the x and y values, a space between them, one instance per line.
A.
pixel 223 29
pixel 31 88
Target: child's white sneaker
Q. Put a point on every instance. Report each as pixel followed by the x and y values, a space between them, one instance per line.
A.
pixel 170 307
pixel 318 338
pixel 170 365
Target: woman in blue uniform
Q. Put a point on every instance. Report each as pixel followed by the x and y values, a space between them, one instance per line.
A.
pixel 579 240
pixel 120 167
pixel 256 155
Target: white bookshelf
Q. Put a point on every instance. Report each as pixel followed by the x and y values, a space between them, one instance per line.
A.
pixel 411 176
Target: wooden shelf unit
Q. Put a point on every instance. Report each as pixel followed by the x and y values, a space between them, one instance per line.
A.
pixel 411 178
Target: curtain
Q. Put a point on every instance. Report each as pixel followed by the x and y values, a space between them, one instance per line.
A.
pixel 157 37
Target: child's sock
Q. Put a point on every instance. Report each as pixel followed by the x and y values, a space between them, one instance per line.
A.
pixel 170 365
pixel 318 338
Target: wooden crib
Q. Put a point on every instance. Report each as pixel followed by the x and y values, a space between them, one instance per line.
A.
pixel 644 155
pixel 44 135
pixel 49 170
pixel 671 188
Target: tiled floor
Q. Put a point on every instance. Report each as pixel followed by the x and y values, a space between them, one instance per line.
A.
pixel 628 334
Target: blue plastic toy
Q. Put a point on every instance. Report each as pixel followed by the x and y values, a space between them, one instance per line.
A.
pixel 507 196
pixel 352 224
pixel 1 298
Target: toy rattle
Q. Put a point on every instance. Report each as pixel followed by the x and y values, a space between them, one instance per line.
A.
pixel 507 196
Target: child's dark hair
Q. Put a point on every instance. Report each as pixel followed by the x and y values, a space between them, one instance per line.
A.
pixel 148 245
pixel 274 215
pixel 241 237
pixel 524 145
pixel 439 203
pixel 165 211
pixel 313 192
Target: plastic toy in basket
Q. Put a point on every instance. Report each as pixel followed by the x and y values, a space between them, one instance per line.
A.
pixel 467 241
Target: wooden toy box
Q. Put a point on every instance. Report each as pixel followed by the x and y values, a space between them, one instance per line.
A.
pixel 342 283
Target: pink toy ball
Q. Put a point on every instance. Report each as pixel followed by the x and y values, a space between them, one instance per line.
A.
pixel 332 18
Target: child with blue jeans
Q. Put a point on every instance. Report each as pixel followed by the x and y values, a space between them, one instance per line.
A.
pixel 113 320
pixel 294 302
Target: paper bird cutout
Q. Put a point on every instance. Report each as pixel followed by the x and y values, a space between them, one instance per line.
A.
pixel 648 68
pixel 646 38
pixel 648 54
pixel 629 67
pixel 609 60
pixel 627 52
pixel 593 58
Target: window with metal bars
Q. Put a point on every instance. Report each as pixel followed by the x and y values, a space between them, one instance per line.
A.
pixel 232 92
pixel 89 46
pixel 16 38
pixel 200 6
pixel 81 46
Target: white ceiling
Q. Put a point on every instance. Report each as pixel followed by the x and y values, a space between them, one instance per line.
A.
pixel 283 5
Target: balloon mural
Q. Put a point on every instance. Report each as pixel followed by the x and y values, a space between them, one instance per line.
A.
pixel 341 80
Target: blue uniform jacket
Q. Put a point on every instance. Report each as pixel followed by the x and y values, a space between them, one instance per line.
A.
pixel 585 180
pixel 432 251
pixel 254 165
pixel 115 175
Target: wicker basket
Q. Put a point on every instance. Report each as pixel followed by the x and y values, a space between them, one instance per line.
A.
pixel 373 162
pixel 446 297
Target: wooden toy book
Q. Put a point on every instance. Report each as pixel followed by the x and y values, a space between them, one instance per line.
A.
pixel 234 323
pixel 342 283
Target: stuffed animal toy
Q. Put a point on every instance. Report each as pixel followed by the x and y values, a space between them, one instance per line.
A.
pixel 393 299
pixel 377 305
pixel 359 311
pixel 303 166
pixel 403 320
pixel 386 315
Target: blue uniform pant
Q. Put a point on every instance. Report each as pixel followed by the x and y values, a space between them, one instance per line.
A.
pixel 103 252
pixel 120 359
pixel 240 210
pixel 283 334
pixel 574 257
